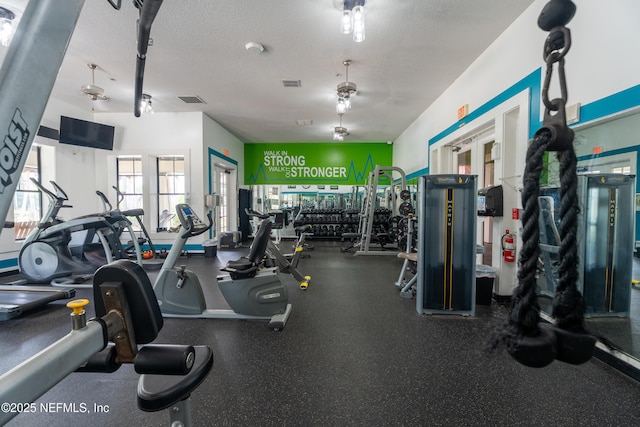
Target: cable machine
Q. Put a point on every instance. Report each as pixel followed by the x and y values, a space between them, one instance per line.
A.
pixel 605 245
pixel 447 244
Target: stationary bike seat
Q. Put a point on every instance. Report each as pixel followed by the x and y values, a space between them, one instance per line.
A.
pixel 240 264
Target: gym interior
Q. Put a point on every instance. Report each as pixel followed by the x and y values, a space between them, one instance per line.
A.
pixel 452 241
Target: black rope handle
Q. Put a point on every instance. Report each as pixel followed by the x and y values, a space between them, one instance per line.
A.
pixel 528 340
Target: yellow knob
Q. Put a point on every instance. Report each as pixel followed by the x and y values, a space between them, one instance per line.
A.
pixel 77 305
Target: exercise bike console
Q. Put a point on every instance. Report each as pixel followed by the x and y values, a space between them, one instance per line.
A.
pixel 191 223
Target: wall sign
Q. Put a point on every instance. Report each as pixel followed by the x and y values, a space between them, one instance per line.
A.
pixel 302 163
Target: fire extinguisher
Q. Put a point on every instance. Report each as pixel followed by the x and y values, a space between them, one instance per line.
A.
pixel 508 247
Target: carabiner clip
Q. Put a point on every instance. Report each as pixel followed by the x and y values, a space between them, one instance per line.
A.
pixel 560 135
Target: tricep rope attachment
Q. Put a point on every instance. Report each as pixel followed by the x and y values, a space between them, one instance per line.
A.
pixel 529 341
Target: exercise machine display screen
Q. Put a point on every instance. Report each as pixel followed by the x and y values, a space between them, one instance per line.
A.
pixel 188 218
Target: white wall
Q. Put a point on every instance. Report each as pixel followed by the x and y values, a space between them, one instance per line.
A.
pixel 150 136
pixel 81 171
pixel 603 60
pixel 218 139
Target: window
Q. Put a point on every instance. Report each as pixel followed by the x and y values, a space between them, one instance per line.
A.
pixel 623 169
pixel 464 163
pixel 129 171
pixel 171 190
pixel 27 201
pixel 224 200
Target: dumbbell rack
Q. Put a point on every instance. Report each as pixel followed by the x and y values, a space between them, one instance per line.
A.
pixel 333 223
pixel 325 223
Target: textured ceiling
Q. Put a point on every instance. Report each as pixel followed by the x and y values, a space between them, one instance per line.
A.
pixel 414 49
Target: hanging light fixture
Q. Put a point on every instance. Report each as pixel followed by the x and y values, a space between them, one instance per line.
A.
pixel 345 90
pixel 346 25
pixel 343 104
pixel 353 19
pixel 95 93
pixel 358 21
pixel 6 26
pixel 339 132
pixel 145 104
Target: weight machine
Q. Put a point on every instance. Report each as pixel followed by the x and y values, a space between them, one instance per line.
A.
pixel 368 217
pixel 446 244
pixel 127 317
pixel 410 255
pixel 604 244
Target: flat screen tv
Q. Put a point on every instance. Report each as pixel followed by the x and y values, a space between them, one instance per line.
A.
pixel 86 134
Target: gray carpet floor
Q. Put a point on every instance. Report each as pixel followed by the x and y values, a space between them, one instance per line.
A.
pixel 353 354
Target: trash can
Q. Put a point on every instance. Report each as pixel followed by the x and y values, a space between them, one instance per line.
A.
pixel 485 275
pixel 210 248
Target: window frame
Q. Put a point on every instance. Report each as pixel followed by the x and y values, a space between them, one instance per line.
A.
pixel 21 231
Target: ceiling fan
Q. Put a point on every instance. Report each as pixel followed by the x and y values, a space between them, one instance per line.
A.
pixel 95 93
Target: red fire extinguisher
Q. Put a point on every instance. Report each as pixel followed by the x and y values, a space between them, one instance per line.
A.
pixel 508 247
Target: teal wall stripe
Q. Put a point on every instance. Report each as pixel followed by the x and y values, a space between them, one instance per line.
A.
pixel 615 152
pixel 612 104
pixel 532 82
pixel 418 173
pixel 222 156
pixel 8 263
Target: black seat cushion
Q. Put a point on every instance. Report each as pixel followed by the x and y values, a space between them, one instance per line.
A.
pixel 242 263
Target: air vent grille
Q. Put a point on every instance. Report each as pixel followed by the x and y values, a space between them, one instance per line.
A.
pixel 305 122
pixel 192 100
pixel 291 83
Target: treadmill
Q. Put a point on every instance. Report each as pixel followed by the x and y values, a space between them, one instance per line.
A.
pixel 15 300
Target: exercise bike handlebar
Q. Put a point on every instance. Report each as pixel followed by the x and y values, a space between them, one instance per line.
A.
pixel 192 229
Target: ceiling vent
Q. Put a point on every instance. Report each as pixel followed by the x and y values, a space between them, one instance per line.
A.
pixel 304 122
pixel 291 83
pixel 192 100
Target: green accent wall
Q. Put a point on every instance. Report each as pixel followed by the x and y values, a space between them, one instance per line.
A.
pixel 313 163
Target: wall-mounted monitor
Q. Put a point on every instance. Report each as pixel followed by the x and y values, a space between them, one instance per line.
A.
pixel 86 134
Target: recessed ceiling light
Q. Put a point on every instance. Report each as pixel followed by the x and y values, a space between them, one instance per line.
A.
pixel 254 47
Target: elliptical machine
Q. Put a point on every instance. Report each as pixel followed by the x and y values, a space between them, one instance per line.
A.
pixel 252 292
pixel 133 247
pixel 45 254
